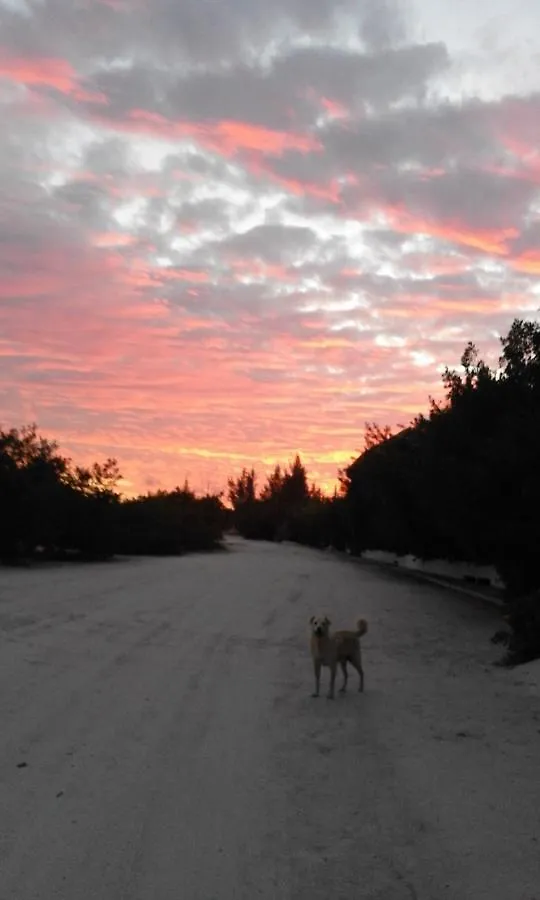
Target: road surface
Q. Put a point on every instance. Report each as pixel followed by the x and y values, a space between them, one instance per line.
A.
pixel 158 738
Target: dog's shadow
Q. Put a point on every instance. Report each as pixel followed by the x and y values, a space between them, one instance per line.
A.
pixel 331 726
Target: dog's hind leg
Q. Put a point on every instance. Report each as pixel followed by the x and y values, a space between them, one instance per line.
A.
pixel 333 669
pixel 356 662
pixel 317 670
pixel 343 687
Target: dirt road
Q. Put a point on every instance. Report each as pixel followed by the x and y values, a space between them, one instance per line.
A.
pixel 158 738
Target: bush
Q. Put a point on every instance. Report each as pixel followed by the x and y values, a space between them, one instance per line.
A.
pixel 71 512
pixel 523 639
pixel 169 523
pixel 287 509
pixel 463 482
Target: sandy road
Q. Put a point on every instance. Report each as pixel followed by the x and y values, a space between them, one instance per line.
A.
pixel 173 751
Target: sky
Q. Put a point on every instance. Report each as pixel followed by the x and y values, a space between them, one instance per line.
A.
pixel 233 230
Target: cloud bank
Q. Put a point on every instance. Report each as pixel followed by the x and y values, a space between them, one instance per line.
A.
pixel 234 230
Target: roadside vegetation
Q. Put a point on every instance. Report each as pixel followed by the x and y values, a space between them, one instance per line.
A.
pixel 53 509
pixel 460 482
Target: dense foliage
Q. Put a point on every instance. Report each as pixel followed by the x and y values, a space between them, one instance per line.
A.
pixel 169 522
pixel 463 482
pixel 286 508
pixel 51 508
pixel 460 483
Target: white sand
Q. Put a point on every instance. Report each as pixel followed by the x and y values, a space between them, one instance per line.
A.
pixel 174 753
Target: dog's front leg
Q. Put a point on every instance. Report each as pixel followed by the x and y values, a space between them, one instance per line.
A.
pixel 333 668
pixel 317 670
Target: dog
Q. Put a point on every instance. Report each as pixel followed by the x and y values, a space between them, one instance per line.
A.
pixel 333 649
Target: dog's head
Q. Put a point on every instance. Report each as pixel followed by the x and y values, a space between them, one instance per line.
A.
pixel 320 625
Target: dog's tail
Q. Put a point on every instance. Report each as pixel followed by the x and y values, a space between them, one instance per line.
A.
pixel 361 627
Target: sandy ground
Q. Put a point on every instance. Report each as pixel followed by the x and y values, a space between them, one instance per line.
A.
pixel 172 750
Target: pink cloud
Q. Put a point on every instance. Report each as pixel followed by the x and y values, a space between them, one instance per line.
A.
pixel 112 354
pixel 109 365
pixel 528 262
pixel 41 72
pixel 38 72
pixel 127 370
pixel 334 108
pixel 493 241
pixel 226 137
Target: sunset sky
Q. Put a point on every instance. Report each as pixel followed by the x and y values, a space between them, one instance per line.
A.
pixel 231 230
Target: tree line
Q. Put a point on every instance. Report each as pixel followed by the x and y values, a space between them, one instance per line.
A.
pixel 461 482
pixel 53 509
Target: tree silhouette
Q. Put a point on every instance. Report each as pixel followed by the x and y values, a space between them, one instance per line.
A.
pixel 51 508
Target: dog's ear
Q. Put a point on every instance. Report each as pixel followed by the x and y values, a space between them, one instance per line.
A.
pixel 327 620
pixel 311 621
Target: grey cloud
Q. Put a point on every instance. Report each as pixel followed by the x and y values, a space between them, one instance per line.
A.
pixel 168 202
pixel 389 155
pixel 476 198
pixel 428 136
pixel 423 136
pixel 212 213
pixel 90 200
pixel 206 30
pixel 139 86
pixel 36 224
pixel 383 23
pixel 170 31
pixel 528 240
pixel 376 289
pixel 265 375
pixel 109 157
pixel 460 286
pixel 272 243
pixel 357 79
pixel 282 96
pixel 256 311
pixel 387 240
pixel 384 148
pixel 74 31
